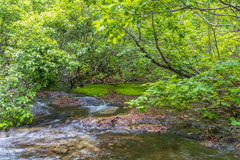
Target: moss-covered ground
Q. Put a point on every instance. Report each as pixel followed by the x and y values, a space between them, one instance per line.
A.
pixel 131 89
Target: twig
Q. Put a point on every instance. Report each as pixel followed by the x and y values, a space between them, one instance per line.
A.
pixel 102 100
pixel 137 134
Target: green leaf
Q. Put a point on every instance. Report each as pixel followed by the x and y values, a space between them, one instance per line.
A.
pixel 114 40
pixel 113 8
pixel 234 122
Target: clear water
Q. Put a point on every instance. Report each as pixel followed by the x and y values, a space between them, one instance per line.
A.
pixel 153 146
pixel 36 141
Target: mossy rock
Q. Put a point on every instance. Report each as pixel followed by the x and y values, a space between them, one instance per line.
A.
pixel 131 89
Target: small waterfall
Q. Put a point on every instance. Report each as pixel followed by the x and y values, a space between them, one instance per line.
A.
pixel 97 105
pixel 49 130
pixel 92 101
pixel 40 109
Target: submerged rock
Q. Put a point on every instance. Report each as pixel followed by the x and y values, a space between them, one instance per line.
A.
pixel 211 144
pixel 237 154
pixel 60 150
pixel 109 110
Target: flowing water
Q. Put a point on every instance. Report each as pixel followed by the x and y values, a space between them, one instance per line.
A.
pixel 58 133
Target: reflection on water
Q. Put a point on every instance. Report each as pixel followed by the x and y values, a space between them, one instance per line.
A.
pixel 53 136
pixel 167 146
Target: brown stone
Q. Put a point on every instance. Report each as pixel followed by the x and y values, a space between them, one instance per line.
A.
pixel 60 150
pixel 65 101
pixel 211 144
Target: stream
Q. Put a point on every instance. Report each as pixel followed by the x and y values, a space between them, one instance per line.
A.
pixel 59 133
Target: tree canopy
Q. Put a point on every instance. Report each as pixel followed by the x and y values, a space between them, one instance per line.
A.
pixel 185 51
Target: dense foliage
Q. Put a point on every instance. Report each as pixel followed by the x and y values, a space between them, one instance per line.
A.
pixel 187 51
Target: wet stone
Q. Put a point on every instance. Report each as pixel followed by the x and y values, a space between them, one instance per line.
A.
pixel 116 103
pixel 65 101
pixel 58 125
pixel 181 125
pixel 85 137
pixel 231 139
pixel 133 122
pixel 109 110
pixel 237 146
pixel 55 142
pixel 67 121
pixel 60 150
pixel 190 133
pixel 211 144
pixel 237 154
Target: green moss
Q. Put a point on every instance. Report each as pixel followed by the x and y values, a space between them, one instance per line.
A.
pixel 132 89
pixel 94 90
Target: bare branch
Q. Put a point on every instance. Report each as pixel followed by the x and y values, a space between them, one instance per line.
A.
pixel 230 5
pixel 215 25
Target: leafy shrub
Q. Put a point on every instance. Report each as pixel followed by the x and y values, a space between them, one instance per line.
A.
pixel 218 89
pixel 234 122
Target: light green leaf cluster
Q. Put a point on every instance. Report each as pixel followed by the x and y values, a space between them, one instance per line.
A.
pixel 30 57
pixel 190 49
pixel 215 88
pixel 199 43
